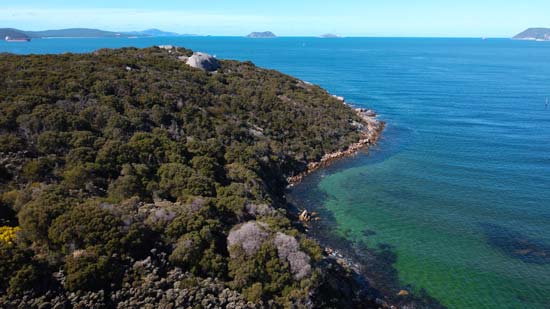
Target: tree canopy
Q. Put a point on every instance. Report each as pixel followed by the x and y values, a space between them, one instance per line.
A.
pixel 109 156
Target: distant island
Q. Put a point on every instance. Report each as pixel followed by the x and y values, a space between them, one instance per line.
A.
pixel 157 32
pixel 534 34
pixel 10 34
pixel 330 36
pixel 261 35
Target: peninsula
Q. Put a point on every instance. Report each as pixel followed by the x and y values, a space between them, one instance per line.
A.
pixel 158 177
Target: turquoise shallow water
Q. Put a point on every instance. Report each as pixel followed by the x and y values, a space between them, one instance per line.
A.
pixel 459 184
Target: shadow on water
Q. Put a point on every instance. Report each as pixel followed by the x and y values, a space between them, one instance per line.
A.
pixel 517 245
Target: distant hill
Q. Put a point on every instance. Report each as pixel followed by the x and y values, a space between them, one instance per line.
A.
pixel 535 34
pixel 330 36
pixel 75 33
pixel 12 33
pixel 82 33
pixel 261 35
pixel 153 32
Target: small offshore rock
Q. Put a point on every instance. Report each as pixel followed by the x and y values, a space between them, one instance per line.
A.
pixel 403 293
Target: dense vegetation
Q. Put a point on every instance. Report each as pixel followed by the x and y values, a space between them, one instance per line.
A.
pixel 118 156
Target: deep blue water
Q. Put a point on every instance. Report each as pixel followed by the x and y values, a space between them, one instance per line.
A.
pixel 459 186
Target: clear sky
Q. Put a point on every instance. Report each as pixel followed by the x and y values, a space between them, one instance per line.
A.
pixel 442 18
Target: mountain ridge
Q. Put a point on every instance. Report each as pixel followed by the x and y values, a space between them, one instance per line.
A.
pixel 83 33
pixel 157 33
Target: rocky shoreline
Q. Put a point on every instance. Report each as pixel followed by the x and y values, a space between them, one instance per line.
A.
pixel 370 128
pixel 396 296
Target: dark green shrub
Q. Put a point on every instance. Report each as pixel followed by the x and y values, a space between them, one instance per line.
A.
pixel 89 270
pixel 87 225
pixel 38 169
pixel 83 139
pixel 83 175
pixel 188 250
pixel 29 277
pixel 51 142
pixel 80 155
pixel 254 293
pixel 36 216
pixel 174 178
pixel 12 259
pixel 133 181
pixel 11 143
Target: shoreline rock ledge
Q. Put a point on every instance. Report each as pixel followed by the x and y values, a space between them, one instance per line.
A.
pixel 370 129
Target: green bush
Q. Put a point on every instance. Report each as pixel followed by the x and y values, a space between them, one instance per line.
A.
pixel 38 169
pixel 79 176
pixel 263 266
pixel 133 181
pixel 51 142
pixel 89 270
pixel 12 259
pixel 11 143
pixel 188 250
pixel 29 277
pixel 254 293
pixel 37 215
pixel 84 226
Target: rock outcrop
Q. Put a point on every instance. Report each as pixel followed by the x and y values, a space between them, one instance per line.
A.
pixel 202 61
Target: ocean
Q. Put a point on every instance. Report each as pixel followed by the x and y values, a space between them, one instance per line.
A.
pixel 457 191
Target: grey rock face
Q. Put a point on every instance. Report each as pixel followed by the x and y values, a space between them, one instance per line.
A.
pixel 203 61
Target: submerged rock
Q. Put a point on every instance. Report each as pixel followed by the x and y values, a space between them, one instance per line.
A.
pixel 305 216
pixel 403 293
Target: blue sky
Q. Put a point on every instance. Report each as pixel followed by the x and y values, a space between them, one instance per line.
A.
pixel 460 18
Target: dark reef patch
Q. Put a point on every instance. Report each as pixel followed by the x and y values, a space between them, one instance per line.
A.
pixel 369 233
pixel 517 245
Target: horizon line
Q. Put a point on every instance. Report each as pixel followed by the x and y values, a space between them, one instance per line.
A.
pixel 277 36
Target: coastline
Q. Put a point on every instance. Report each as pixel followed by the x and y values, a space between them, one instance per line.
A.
pixel 371 270
pixel 370 128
